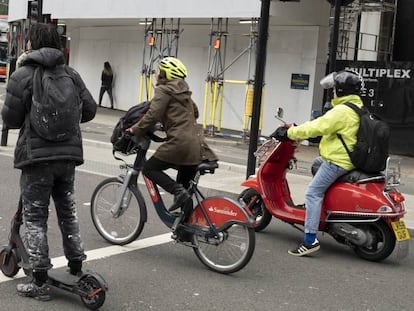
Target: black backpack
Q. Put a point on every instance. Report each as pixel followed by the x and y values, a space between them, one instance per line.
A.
pixel 56 108
pixel 371 149
pixel 132 116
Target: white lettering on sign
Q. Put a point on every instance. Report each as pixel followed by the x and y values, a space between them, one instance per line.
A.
pixel 383 73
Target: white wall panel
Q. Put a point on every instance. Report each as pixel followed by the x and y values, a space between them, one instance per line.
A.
pixel 151 8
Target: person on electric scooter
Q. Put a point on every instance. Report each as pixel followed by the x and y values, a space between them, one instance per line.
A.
pixel 47 167
pixel 334 160
pixel 184 148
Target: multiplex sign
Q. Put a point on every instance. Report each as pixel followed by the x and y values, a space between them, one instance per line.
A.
pixel 389 93
pixel 375 73
pixel 384 82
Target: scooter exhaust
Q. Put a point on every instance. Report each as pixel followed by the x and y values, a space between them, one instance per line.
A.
pixel 352 234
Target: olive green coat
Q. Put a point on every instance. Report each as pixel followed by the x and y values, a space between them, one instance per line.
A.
pixel 173 107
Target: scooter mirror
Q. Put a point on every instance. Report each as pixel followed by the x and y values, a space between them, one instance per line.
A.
pixel 279 112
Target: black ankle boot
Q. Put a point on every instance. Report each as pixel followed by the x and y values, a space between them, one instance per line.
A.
pixel 75 267
pixel 180 197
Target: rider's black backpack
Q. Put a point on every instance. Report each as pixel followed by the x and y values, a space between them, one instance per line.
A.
pixel 371 149
pixel 56 106
pixel 132 116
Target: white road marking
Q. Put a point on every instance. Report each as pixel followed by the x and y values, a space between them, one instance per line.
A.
pixel 101 253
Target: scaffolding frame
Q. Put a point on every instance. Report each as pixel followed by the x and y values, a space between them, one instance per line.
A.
pixel 350 36
pixel 161 38
pixel 215 81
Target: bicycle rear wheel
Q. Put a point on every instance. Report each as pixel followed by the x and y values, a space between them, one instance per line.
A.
pixel 229 252
pixel 128 226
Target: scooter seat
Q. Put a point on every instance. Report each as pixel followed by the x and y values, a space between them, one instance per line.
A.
pixel 357 176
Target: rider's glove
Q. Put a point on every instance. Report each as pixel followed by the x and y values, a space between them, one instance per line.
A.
pixel 281 133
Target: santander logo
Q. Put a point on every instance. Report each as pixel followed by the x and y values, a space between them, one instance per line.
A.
pixel 223 211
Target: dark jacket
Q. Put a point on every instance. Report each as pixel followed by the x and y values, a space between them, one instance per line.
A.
pixel 106 79
pixel 30 148
pixel 173 107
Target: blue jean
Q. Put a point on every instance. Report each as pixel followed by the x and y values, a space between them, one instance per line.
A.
pixel 323 179
pixel 39 182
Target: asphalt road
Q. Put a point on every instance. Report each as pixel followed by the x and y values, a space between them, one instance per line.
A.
pixel 168 276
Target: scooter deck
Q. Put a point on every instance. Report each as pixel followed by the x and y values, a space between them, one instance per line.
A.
pixel 63 276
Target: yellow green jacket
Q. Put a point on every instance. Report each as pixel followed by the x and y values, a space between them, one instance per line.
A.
pixel 339 120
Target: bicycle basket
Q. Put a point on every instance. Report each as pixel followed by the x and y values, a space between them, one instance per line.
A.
pixel 265 150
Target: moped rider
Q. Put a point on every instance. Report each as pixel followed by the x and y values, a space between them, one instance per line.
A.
pixel 334 160
pixel 184 148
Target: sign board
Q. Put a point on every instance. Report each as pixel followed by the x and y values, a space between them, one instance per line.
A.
pixel 299 81
pixel 389 93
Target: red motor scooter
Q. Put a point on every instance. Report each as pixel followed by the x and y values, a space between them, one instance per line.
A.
pixel 361 210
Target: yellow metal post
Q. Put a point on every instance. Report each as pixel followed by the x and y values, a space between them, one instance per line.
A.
pixel 206 86
pixel 221 86
pixel 213 106
pixel 141 88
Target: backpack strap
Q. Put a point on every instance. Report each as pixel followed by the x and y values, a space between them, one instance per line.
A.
pixel 360 112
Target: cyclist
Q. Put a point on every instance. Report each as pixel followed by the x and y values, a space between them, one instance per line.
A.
pixel 184 147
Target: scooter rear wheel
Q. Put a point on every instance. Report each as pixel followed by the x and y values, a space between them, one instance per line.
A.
pixel 383 242
pixel 92 285
pixel 257 207
pixel 8 262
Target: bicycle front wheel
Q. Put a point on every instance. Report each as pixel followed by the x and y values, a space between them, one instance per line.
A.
pixel 128 225
pixel 229 252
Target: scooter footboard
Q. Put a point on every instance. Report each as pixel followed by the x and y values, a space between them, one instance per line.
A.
pixel 220 211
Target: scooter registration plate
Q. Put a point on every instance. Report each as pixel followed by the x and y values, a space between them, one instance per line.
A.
pixel 401 232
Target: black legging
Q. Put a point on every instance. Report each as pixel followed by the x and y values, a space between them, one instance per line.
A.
pixel 154 170
pixel 102 91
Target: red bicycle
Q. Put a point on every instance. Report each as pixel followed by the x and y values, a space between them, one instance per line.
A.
pixel 220 230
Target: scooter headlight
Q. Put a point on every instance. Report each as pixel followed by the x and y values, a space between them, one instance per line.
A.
pixel 384 209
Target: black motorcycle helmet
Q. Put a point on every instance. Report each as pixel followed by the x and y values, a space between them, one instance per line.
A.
pixel 346 82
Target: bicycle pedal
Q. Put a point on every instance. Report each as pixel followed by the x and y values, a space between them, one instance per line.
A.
pixel 177 221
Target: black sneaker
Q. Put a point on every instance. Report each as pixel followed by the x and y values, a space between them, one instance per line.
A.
pixel 305 249
pixel 34 291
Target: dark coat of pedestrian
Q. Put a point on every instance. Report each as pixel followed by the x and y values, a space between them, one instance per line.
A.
pixel 47 167
pixel 107 79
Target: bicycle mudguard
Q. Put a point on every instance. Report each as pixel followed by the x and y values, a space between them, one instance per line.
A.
pixel 221 211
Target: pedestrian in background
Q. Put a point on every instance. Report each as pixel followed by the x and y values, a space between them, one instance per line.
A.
pixel 107 78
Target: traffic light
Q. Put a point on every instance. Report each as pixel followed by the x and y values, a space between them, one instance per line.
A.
pixel 34 11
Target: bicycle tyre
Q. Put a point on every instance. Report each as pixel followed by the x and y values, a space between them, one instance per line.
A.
pixel 228 253
pixel 116 230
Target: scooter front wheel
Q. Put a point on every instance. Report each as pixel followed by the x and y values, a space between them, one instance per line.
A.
pixel 255 203
pixel 95 294
pixel 382 244
pixel 125 227
pixel 9 262
pixel 229 252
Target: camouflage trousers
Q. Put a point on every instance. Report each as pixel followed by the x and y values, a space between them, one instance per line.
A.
pixel 39 182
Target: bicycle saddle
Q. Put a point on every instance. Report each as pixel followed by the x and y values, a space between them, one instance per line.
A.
pixel 207 167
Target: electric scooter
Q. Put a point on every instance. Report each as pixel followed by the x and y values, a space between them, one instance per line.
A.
pixel 364 211
pixel 90 286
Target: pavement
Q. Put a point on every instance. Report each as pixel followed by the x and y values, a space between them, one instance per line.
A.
pixel 229 175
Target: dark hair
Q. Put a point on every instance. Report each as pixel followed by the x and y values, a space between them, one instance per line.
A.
pixel 44 35
pixel 107 68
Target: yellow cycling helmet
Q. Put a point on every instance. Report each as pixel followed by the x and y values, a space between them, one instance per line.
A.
pixel 173 68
